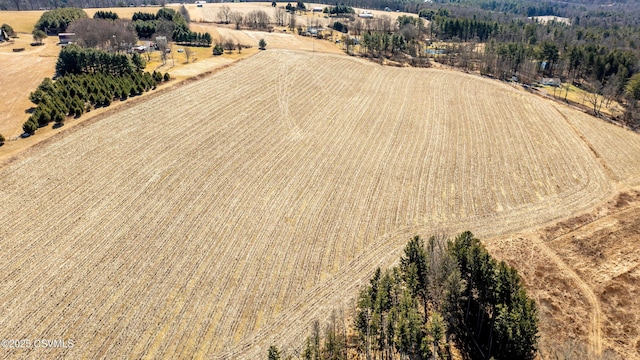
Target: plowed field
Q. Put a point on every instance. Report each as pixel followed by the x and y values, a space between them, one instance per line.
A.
pixel 218 218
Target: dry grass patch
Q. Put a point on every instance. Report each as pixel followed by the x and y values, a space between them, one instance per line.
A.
pixel 600 247
pixel 275 40
pixel 24 71
pixel 579 96
pixel 21 21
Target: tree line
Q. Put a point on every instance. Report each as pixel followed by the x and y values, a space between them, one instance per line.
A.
pixel 255 19
pixel 76 60
pixel 107 15
pixel 86 79
pixel 442 292
pixel 464 29
pixel 56 21
pixel 599 60
pixel 170 23
pixel 104 34
pixel 339 10
pixel 382 37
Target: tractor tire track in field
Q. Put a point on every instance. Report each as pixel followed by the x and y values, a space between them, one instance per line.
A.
pixel 610 173
pixel 595 323
pixel 213 219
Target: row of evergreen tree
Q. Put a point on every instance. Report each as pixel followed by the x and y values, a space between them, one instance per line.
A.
pixel 57 20
pixel 106 15
pixel 465 29
pixel 87 78
pixel 444 292
pixel 192 38
pixel 170 23
pixel 76 60
pixel 379 43
pixel 338 10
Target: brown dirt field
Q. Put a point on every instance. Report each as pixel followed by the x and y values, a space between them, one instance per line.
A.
pixel 218 218
pixel 275 40
pixel 610 145
pixel 24 71
pixel 21 21
pixel 593 272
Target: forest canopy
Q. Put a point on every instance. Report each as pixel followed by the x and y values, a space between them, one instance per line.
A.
pixel 57 20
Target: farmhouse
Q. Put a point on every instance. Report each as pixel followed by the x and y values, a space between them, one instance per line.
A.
pixel 317 9
pixel 366 15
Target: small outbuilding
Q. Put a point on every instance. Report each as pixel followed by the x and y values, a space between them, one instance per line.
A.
pixel 66 38
pixel 551 82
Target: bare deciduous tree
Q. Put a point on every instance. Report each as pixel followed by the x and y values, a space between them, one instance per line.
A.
pixel 612 91
pixel 104 34
pixel 292 21
pixel 229 45
pixel 162 47
pixel 357 27
pixel 594 97
pixel 279 16
pixel 236 18
pixel 257 19
pixel 224 14
pixel 164 28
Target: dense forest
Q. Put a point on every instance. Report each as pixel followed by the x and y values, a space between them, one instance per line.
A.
pixel 443 293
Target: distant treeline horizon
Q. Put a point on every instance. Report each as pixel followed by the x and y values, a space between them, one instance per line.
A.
pixel 567 8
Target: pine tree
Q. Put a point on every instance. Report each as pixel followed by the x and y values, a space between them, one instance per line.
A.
pixel 415 267
pixel 274 353
pixel 29 127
